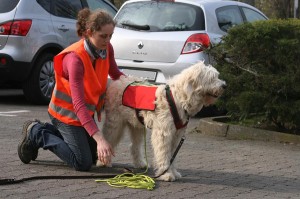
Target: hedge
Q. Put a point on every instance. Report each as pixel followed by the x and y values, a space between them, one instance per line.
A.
pixel 260 62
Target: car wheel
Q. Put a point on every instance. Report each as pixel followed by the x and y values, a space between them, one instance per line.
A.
pixel 40 84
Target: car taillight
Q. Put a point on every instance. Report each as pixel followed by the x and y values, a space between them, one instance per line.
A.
pixel 19 27
pixel 3 61
pixel 196 43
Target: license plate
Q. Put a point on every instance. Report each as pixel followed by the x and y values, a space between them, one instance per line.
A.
pixel 149 75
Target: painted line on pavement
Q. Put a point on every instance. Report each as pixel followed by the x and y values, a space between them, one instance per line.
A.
pixel 12 113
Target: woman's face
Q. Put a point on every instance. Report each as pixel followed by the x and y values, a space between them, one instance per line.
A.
pixel 101 38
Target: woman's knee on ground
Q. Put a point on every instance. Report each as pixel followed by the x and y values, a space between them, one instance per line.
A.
pixel 84 166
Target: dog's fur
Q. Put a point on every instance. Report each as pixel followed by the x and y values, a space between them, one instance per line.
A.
pixel 193 88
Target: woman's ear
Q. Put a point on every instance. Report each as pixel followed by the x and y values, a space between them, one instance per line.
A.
pixel 89 32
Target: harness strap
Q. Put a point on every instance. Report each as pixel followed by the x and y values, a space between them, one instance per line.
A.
pixel 177 121
pixel 139 117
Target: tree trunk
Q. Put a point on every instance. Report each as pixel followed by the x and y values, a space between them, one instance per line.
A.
pixel 296 8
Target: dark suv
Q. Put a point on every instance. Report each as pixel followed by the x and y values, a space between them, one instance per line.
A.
pixel 32 32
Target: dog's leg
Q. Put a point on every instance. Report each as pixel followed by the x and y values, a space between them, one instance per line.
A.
pixel 112 132
pixel 137 147
pixel 175 142
pixel 162 148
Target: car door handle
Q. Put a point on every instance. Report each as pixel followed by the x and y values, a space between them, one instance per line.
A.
pixel 63 28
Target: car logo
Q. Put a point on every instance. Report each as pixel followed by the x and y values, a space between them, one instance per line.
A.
pixel 140 45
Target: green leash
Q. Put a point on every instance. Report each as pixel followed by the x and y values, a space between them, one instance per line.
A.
pixel 131 180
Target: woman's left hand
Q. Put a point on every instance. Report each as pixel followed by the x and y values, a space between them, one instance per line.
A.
pixel 104 149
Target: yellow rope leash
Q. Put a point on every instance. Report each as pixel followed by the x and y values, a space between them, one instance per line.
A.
pixel 136 181
pixel 131 180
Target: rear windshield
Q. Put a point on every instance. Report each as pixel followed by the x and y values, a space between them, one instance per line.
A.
pixel 158 16
pixel 8 5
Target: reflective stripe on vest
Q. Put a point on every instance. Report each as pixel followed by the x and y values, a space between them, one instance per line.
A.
pixel 63 111
pixel 68 99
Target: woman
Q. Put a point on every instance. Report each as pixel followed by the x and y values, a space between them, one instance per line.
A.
pixel 81 73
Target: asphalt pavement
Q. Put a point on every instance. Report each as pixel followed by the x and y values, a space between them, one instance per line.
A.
pixel 212 167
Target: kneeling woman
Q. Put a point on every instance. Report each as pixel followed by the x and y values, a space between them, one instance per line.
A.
pixel 81 74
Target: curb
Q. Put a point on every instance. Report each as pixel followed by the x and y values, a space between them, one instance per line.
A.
pixel 210 126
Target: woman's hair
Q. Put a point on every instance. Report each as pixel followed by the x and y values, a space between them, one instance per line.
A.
pixel 93 20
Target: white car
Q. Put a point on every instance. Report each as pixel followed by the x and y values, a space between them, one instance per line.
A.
pixel 157 39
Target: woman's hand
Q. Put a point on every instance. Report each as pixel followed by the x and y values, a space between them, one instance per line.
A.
pixel 104 149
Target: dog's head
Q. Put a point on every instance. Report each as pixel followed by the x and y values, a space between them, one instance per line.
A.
pixel 198 86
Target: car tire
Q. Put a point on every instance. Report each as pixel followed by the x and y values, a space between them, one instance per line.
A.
pixel 39 86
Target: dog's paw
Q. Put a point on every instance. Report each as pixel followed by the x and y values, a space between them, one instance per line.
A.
pixel 141 164
pixel 168 177
pixel 100 164
pixel 177 174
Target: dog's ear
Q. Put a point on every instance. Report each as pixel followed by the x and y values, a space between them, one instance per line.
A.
pixel 190 87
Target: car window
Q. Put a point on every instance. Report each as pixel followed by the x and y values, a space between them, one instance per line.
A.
pixel 7 6
pixel 161 16
pixel 96 4
pixel 252 15
pixel 66 8
pixel 228 16
pixel 45 4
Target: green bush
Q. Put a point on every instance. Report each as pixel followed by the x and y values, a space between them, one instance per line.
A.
pixel 261 64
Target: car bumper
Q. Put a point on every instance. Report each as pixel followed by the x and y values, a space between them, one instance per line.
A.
pixel 159 72
pixel 11 70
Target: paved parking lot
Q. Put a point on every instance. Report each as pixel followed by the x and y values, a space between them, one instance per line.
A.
pixel 212 167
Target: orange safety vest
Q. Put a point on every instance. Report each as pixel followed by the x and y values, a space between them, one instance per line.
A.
pixel 94 80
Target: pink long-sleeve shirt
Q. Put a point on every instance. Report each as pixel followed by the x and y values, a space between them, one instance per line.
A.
pixel 73 71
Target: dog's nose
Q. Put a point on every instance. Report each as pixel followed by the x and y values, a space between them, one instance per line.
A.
pixel 224 86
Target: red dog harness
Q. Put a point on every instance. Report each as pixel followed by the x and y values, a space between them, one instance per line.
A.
pixel 141 96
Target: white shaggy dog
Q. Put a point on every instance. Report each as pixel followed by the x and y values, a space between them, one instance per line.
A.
pixel 193 88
